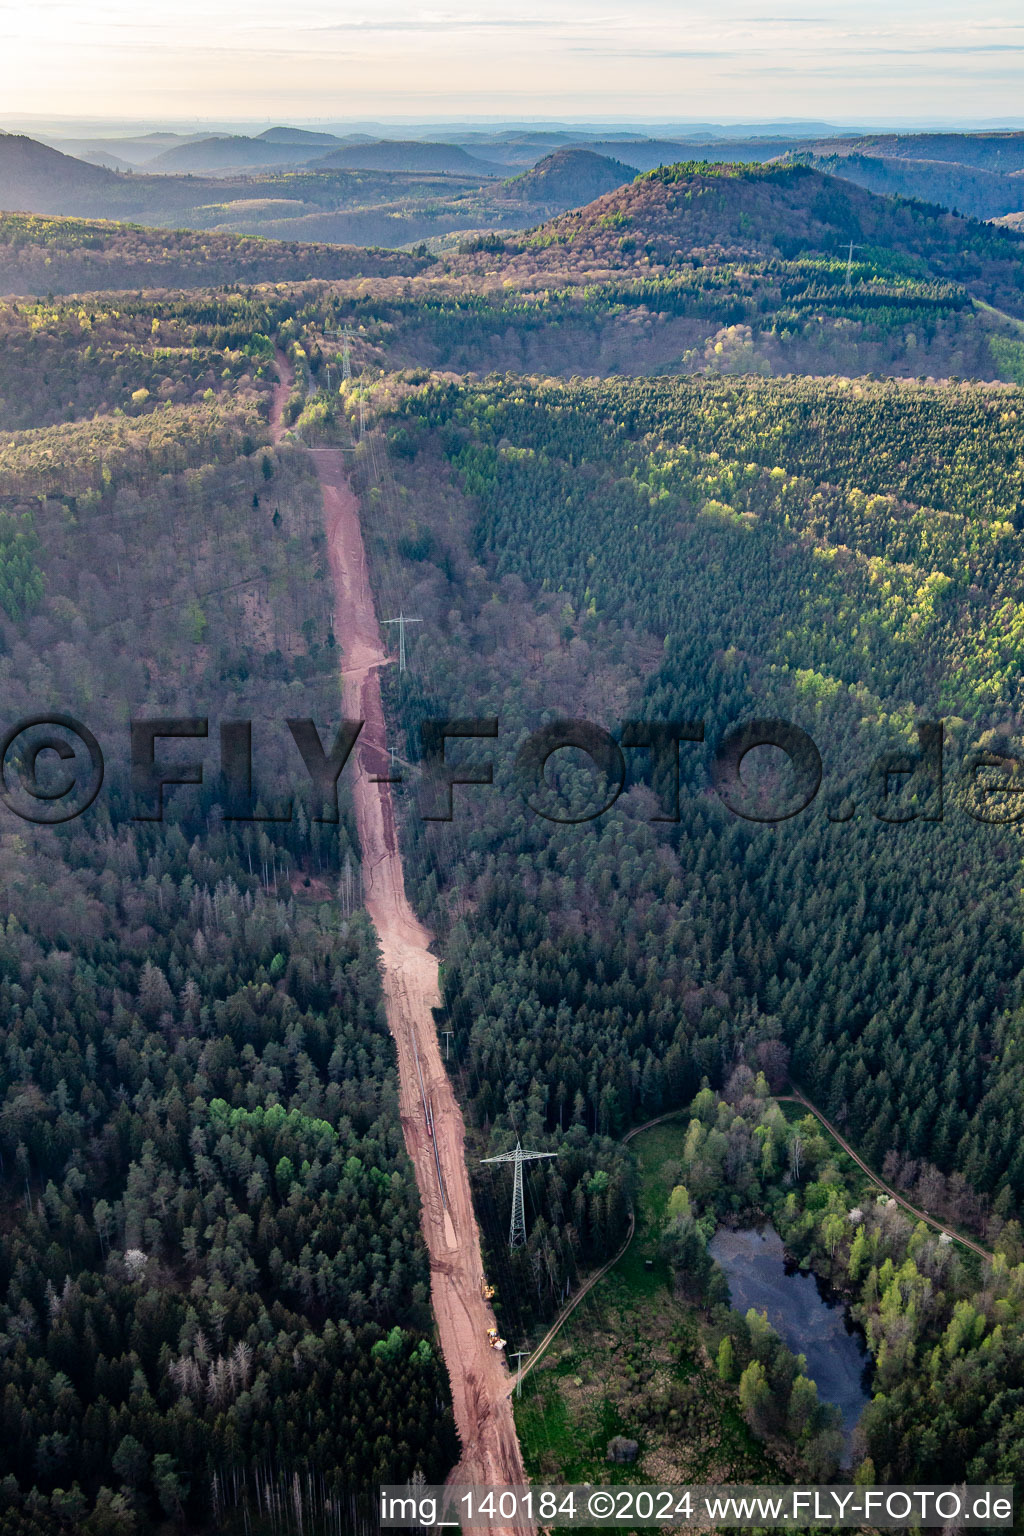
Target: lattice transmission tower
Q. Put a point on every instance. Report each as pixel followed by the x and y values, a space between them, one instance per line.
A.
pixel 402 621
pixel 517 1230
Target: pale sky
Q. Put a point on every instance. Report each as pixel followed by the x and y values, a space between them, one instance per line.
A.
pixel 729 59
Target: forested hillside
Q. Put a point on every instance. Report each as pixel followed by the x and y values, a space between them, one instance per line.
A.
pixel 211 1273
pixel 681 271
pixel 39 255
pixel 832 574
pixel 699 268
pixel 842 556
pixel 659 221
pixel 1001 150
pixel 570 177
pixel 212 1281
pixel 979 174
pixel 967 189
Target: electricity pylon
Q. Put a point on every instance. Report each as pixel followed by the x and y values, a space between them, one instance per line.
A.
pixel 345 337
pixel 849 263
pixel 517 1354
pixel 402 621
pixel 517 1230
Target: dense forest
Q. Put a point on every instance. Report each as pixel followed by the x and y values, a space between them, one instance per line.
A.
pixel 60 255
pixel 213 1291
pixel 946 1344
pixel 843 557
pixel 211 1275
pixel 970 189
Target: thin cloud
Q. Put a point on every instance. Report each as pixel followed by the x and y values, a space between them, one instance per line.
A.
pixel 469 24
pixel 915 50
pixel 966 48
pixel 617 52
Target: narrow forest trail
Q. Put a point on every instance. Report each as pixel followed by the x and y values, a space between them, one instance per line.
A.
pixel 796 1097
pixel 478 1374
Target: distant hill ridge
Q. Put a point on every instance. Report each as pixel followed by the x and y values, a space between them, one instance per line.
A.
pixel 37 179
pixel 773 208
pixel 31 173
pixel 226 152
pixel 285 135
pixel 572 176
pixel 1001 152
pixel 970 189
pixel 409 155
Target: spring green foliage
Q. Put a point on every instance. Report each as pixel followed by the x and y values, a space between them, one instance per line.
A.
pixel 272 1122
pixel 946 1341
pixel 1009 355
pixel 853 600
pixel 72 359
pixel 21 580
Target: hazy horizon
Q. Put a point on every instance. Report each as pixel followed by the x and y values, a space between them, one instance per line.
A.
pixel 222 63
pixel 54 125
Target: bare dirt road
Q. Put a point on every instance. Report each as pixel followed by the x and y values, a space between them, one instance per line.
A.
pixel 431 1118
pixel 282 389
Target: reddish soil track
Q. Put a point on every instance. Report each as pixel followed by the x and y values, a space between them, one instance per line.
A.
pixel 282 389
pixel 479 1377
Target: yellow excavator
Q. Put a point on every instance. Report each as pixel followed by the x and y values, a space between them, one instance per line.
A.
pixel 494 1340
pixel 486 1291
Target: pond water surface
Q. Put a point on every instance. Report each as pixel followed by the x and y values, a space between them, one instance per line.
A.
pixel 755 1266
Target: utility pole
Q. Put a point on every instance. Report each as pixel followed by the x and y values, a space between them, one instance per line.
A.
pixel 447 1040
pixel 393 777
pixel 517 1354
pixel 517 1229
pixel 402 621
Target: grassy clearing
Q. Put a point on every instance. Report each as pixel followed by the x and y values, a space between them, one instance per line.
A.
pixel 631 1361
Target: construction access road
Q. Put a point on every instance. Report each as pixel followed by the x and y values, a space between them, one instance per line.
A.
pixel 431 1118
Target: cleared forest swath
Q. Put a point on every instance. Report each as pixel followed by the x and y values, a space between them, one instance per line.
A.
pixel 431 1118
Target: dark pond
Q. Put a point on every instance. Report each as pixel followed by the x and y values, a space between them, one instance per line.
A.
pixel 755 1267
